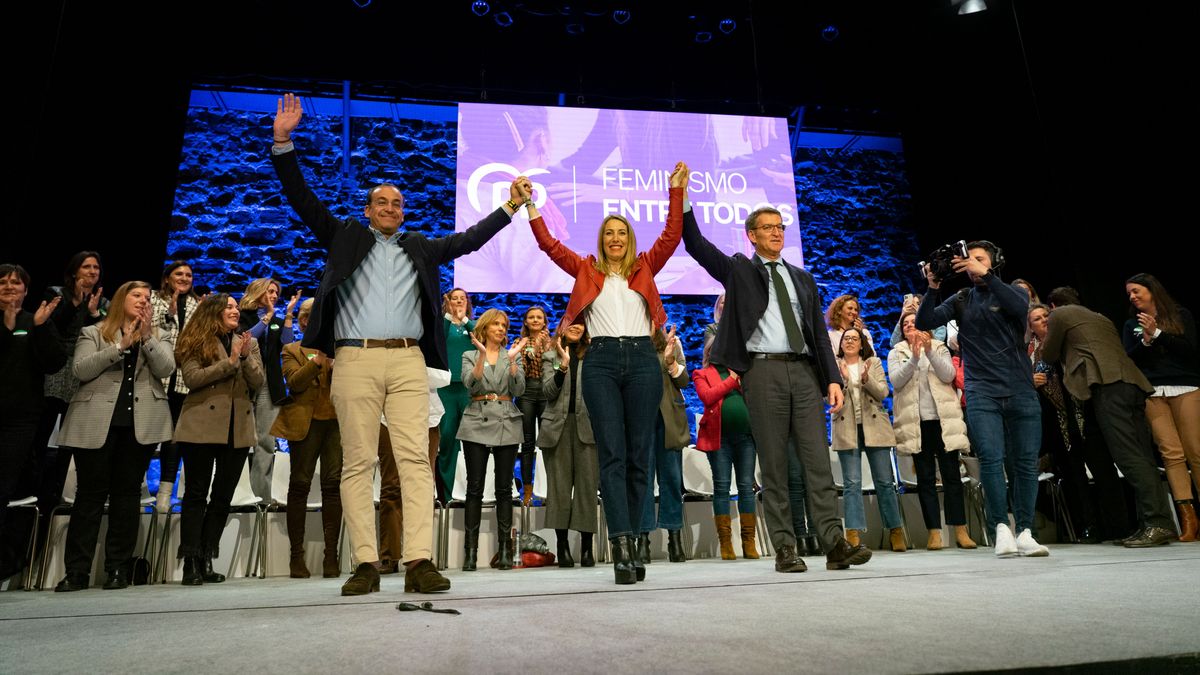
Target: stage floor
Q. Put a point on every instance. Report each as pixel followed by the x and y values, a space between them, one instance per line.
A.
pixel 919 611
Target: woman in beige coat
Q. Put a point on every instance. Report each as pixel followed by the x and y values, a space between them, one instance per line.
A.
pixel 862 425
pixel 222 369
pixel 929 426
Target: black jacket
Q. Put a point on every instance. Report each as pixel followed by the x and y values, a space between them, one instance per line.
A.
pixel 348 243
pixel 270 347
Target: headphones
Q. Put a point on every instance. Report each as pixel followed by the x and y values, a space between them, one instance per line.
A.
pixel 994 251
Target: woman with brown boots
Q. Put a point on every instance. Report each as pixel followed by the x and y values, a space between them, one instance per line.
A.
pixel 308 422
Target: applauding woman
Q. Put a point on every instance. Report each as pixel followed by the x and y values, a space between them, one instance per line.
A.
pixel 491 424
pixel 172 306
pixel 616 298
pixel 216 427
pixel 116 418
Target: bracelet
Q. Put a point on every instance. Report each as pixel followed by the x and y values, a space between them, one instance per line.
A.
pixel 512 206
pixel 528 204
pixel 279 142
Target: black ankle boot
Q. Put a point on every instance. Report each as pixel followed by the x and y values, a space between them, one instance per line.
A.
pixel 564 552
pixel 643 548
pixel 506 554
pixel 639 567
pixel 211 576
pixel 622 554
pixel 675 551
pixel 469 556
pixel 814 544
pixel 193 571
pixel 585 550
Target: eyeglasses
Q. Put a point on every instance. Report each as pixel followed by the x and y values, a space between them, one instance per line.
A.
pixel 772 227
pixel 851 338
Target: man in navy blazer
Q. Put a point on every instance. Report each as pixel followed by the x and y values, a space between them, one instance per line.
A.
pixel 376 312
pixel 771 333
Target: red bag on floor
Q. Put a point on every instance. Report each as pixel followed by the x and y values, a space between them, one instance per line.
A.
pixel 533 559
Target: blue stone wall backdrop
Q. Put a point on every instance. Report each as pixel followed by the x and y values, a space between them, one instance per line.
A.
pixel 232 224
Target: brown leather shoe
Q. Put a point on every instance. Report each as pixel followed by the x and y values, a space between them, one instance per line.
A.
pixel 389 566
pixel 935 541
pixel 843 555
pixel 1151 536
pixel 786 560
pixel 962 539
pixel 331 567
pixel 364 580
pixel 296 567
pixel 1189 525
pixel 423 577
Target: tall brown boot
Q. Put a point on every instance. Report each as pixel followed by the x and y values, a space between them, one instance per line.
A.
pixel 852 538
pixel 725 536
pixel 296 513
pixel 748 524
pixel 1188 525
pixel 962 539
pixel 331 525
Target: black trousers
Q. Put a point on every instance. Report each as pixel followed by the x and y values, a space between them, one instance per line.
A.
pixel 111 473
pixel 531 412
pixel 476 457
pixel 53 463
pixel 17 434
pixel 1120 410
pixel 204 514
pixel 168 453
pixel 934 455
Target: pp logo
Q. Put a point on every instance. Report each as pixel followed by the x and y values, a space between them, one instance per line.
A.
pixel 499 189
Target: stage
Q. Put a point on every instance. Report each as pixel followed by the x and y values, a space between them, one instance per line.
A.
pixel 920 611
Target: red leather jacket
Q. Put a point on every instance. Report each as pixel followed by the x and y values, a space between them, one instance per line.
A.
pixel 589 280
pixel 712 391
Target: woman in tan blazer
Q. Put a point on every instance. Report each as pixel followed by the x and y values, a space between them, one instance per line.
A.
pixel 222 369
pixel 492 423
pixel 862 425
pixel 115 419
pixel 309 423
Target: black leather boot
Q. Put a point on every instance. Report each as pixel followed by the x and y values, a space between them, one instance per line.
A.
pixel 814 544
pixel 564 550
pixel 471 552
pixel 639 567
pixel 505 561
pixel 585 550
pixel 193 571
pixel 675 552
pixel 642 552
pixel 622 554
pixel 211 576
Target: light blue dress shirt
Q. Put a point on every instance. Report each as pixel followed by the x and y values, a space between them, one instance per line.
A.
pixel 381 299
pixel 770 336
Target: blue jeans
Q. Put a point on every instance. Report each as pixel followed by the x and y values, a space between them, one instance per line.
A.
pixel 797 495
pixel 880 460
pixel 735 455
pixel 622 386
pixel 668 466
pixel 1007 426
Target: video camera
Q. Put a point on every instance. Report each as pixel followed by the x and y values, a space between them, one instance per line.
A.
pixel 941 261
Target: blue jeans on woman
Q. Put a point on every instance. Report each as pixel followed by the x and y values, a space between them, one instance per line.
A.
pixel 668 466
pixel 880 460
pixel 622 387
pixel 736 454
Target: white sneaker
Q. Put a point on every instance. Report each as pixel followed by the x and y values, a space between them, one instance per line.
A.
pixel 1028 546
pixel 1006 546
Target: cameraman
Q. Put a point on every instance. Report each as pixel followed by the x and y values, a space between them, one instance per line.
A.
pixel 1003 413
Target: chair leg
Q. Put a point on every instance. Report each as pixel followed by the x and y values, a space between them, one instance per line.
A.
pixel 27 578
pixel 49 545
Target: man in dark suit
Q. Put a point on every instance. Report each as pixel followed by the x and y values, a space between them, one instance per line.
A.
pixel 1097 369
pixel 377 307
pixel 771 333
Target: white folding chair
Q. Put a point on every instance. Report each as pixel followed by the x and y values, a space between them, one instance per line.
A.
pixel 30 503
pixel 245 501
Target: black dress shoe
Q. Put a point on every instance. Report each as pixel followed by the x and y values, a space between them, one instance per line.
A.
pixel 72 582
pixel 622 555
pixel 802 548
pixel 210 575
pixel 675 552
pixel 423 577
pixel 787 560
pixel 814 544
pixel 193 571
pixel 117 579
pixel 843 555
pixel 642 553
pixel 364 580
pixel 639 563
pixel 1151 536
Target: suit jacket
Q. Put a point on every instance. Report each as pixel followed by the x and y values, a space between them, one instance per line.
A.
pixel 589 280
pixel 348 243
pixel 554 417
pixel 100 367
pixel 307 384
pixel 745 281
pixel 270 348
pixel 677 432
pixel 492 423
pixel 1090 350
pixel 877 426
pixel 218 392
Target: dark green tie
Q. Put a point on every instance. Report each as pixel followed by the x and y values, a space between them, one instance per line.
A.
pixel 794 336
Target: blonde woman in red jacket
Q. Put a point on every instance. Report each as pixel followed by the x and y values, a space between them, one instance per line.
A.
pixel 615 297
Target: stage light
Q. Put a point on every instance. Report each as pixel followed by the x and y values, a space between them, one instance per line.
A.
pixel 503 19
pixel 703 36
pixel 969 6
pixel 480 7
pixel 574 29
pixel 830 33
pixel 727 26
pixel 362 4
pixel 621 16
